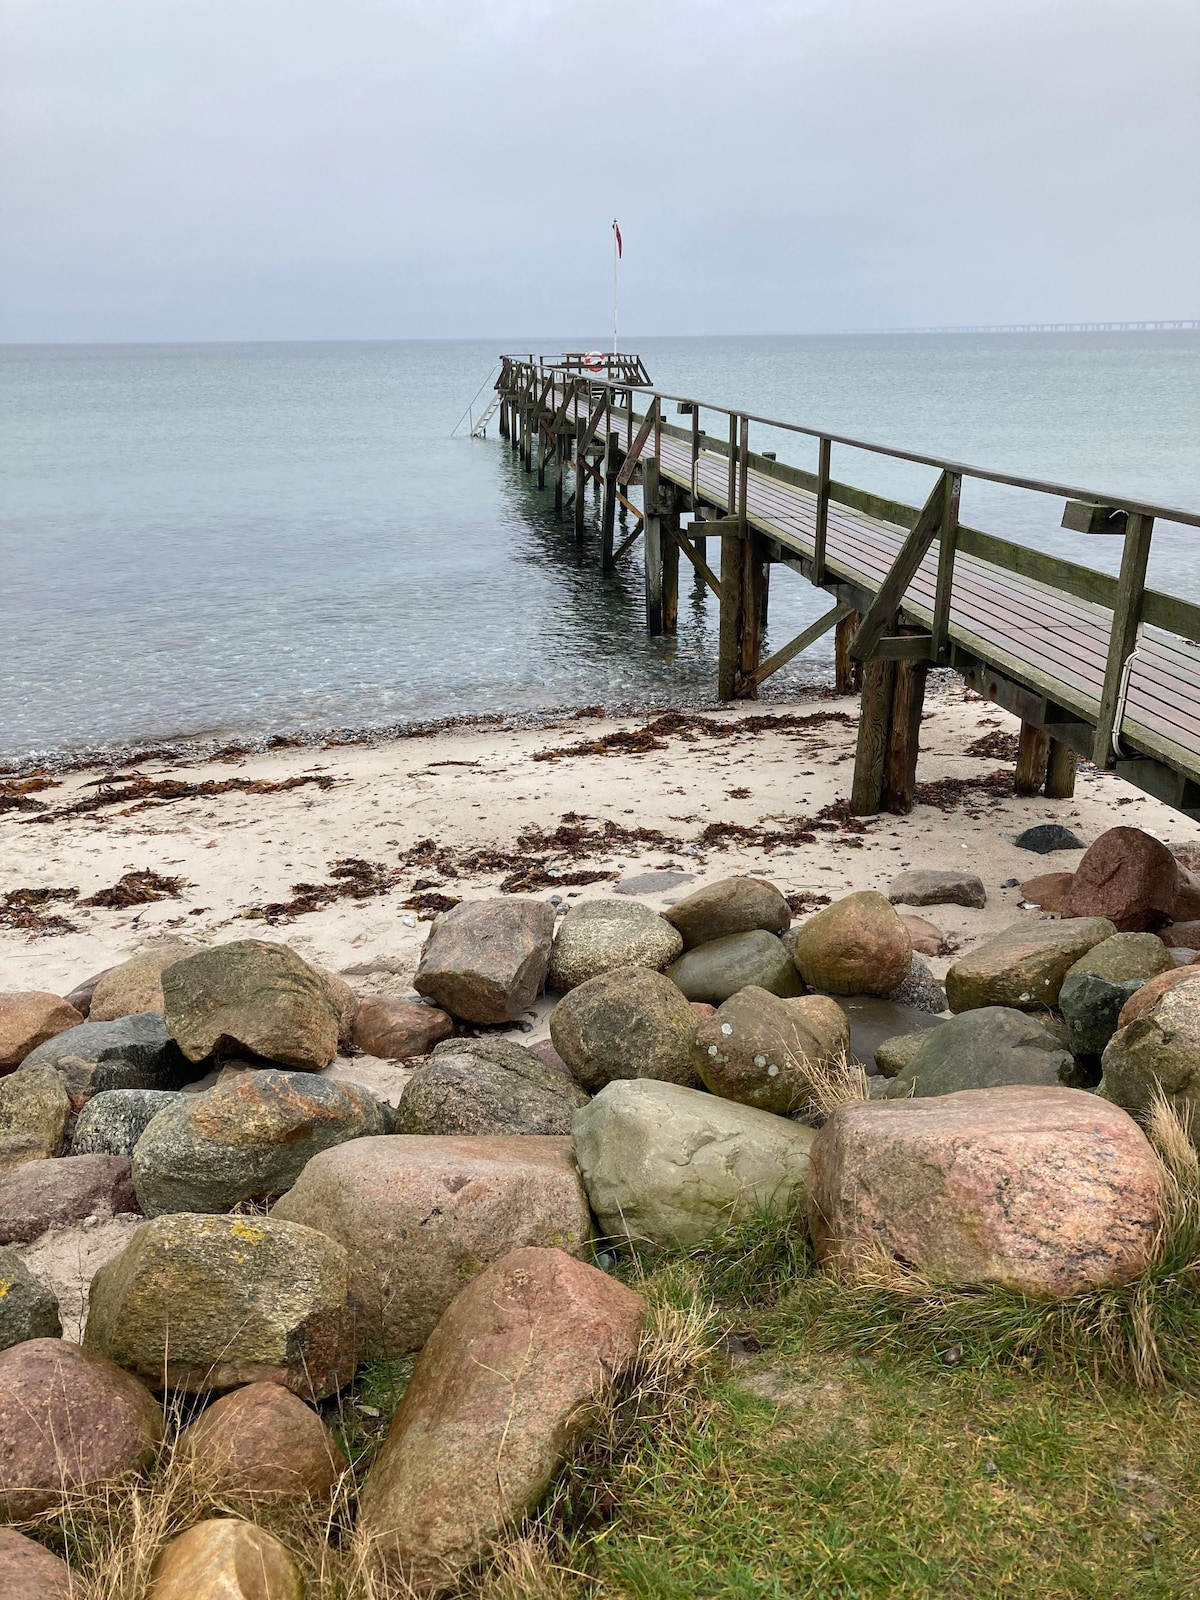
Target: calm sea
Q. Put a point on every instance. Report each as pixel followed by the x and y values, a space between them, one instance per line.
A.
pixel 206 540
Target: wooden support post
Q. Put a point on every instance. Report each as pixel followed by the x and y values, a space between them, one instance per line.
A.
pixel 822 522
pixel 1033 752
pixel 653 557
pixel 729 645
pixel 581 476
pixel 743 579
pixel 612 465
pixel 562 443
pixel 947 547
pixel 1127 615
pixel 904 738
pixel 847 671
pixel 504 419
pixel 541 454
pixel 670 573
pixel 879 679
pixel 1060 771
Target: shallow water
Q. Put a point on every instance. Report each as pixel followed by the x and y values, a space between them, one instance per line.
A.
pixel 213 539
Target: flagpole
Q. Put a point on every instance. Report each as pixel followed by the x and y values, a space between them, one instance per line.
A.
pixel 616 261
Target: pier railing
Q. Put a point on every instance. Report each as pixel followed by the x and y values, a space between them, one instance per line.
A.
pixel 612 429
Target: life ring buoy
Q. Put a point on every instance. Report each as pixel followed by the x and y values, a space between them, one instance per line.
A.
pixel 594 361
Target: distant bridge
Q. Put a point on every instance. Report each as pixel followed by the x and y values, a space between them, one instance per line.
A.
pixel 1177 325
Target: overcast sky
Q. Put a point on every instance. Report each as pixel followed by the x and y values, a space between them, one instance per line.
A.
pixel 327 169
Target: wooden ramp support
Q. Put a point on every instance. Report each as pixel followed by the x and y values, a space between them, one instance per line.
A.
pixel 889 737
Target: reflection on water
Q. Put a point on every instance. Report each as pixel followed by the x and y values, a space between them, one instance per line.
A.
pixel 208 539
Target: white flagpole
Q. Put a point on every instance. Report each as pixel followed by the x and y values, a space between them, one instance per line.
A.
pixel 616 263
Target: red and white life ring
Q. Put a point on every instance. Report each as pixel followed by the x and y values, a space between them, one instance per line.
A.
pixel 594 361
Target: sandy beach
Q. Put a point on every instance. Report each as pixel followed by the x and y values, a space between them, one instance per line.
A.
pixel 459 813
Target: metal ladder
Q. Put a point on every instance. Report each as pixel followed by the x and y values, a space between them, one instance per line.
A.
pixel 479 426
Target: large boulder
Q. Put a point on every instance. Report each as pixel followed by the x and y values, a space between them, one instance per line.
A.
pixel 925 886
pixel 857 945
pixel 113 1121
pixel 734 905
pixel 225 1558
pixel 893 1055
pixel 669 1166
pixel 712 972
pixel 248 1138
pixel 28 1018
pixel 1160 1051
pixel 262 1441
pixel 631 1023
pixel 54 1194
pixel 1043 1191
pixel 398 1030
pixel 1024 966
pixel 506 1386
pixel 761 1050
pixel 601 935
pixel 983 1049
pixel 69 1420
pixel 486 960
pixel 251 997
pixel 420 1215
pixel 34 1110
pixel 28 1310
pixel 28 1571
pixel 135 985
pixel 1100 982
pixel 1127 876
pixel 1143 999
pixel 203 1302
pixel 488 1086
pixel 133 1052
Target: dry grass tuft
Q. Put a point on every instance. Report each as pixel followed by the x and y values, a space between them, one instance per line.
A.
pixel 834 1082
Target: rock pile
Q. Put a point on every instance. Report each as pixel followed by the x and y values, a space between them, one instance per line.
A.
pixel 280 1226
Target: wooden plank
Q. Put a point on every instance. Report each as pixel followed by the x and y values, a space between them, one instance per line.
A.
pixel 847 672
pixel 1060 771
pixel 680 540
pixel 904 647
pixel 639 443
pixel 801 642
pixel 1127 616
pixel 1033 752
pixel 947 546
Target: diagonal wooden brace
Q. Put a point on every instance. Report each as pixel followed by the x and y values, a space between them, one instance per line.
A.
pixel 881 617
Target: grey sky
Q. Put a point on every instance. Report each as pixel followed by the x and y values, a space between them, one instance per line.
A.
pixel 241 169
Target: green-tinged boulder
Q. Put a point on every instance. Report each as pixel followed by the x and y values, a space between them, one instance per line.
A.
pixel 734 905
pixel 857 945
pixel 893 1055
pixel 1160 1051
pixel 488 1085
pixel 712 972
pixel 248 1138
pixel 28 1310
pixel 631 1023
pixel 671 1166
pixel 419 1216
pixel 251 997
pixel 203 1302
pixel 983 1049
pixel 1096 988
pixel 765 1052
pixel 602 935
pixel 34 1110
pixel 112 1122
pixel 1024 966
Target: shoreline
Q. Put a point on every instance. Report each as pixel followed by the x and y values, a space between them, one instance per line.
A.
pixel 347 850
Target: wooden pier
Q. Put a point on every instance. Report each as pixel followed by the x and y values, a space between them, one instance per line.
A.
pixel 1093 665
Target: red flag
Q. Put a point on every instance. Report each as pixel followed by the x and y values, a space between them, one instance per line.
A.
pixel 617 231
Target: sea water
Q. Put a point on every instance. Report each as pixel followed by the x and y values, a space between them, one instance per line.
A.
pixel 202 541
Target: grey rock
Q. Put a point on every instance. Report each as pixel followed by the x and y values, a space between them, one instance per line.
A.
pixel 893 1055
pixel 113 1121
pixel 631 1023
pixel 923 886
pixel 987 1048
pixel 28 1310
pixel 602 935
pixel 653 882
pixel 1159 1051
pixel 734 905
pixel 252 998
pixel 488 1086
pixel 1100 982
pixel 873 1019
pixel 486 960
pixel 34 1110
pixel 1045 837
pixel 920 989
pixel 250 1137
pixel 668 1166
pixel 712 972
pixel 134 1052
pixel 56 1193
